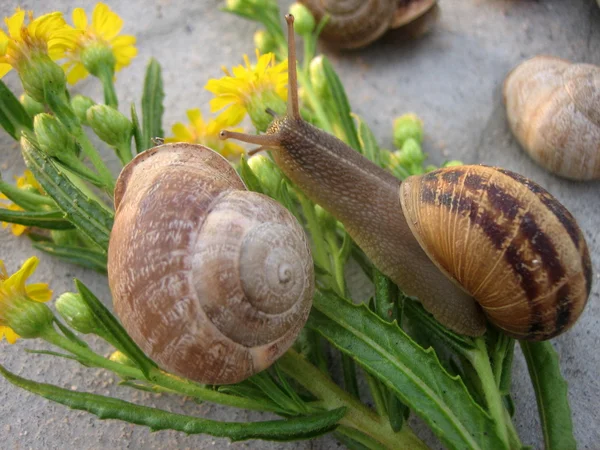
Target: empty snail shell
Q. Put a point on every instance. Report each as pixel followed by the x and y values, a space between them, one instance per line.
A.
pixel 468 241
pixel 553 108
pixel 212 281
pixel 357 23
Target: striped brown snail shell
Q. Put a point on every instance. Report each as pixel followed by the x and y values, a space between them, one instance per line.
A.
pixel 553 108
pixel 507 242
pixel 469 242
pixel 357 23
pixel 212 281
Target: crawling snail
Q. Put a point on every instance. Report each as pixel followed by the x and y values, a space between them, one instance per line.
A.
pixel 553 108
pixel 212 281
pixel 497 241
pixel 357 23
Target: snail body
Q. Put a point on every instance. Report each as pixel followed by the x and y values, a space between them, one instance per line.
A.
pixel 212 281
pixel 357 23
pixel 553 109
pixel 532 243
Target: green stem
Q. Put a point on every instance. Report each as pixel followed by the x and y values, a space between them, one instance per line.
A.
pixel 157 376
pixel 480 361
pixel 376 392
pixel 359 416
pixel 83 187
pixel 338 264
pixel 106 76
pixel 88 149
pixel 320 253
pixel 313 98
pixel 124 152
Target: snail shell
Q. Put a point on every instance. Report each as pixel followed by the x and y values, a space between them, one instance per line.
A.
pixel 507 242
pixel 212 281
pixel 553 108
pixel 357 23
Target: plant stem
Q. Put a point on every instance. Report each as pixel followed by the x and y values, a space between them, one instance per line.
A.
pixel 106 76
pixel 157 376
pixel 480 360
pixel 88 148
pixel 320 253
pixel 359 416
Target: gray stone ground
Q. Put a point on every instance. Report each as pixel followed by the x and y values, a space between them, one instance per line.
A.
pixel 451 78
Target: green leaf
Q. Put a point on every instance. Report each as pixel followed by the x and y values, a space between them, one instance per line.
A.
pixel 25 199
pixel 157 419
pixel 137 130
pixel 51 220
pixel 368 143
pixel 81 256
pixel 13 117
pixel 413 373
pixel 120 338
pixel 152 104
pixel 250 179
pixel 551 395
pixel 341 105
pixel 87 215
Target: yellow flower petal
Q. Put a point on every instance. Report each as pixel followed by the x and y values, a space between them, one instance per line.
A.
pixel 182 133
pixel 76 73
pixel 14 24
pixel 9 334
pixel 4 69
pixel 40 292
pixel 16 282
pixel 105 22
pixel 80 19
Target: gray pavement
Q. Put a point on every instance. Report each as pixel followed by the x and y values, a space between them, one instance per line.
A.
pixel 451 78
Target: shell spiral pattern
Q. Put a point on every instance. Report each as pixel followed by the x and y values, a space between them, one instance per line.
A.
pixel 512 246
pixel 213 282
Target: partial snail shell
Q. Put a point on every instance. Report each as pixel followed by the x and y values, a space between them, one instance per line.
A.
pixel 212 281
pixel 509 244
pixel 553 108
pixel 357 23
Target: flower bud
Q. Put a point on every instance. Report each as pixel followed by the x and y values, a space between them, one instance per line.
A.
pixel 97 57
pixel 109 125
pixel 267 173
pixel 40 75
pixel 264 41
pixel 30 105
pixel 55 140
pixel 26 317
pixel 257 108
pixel 318 78
pixel 304 22
pixel 121 358
pixel 76 313
pixel 453 163
pixel 412 152
pixel 408 126
pixel 80 104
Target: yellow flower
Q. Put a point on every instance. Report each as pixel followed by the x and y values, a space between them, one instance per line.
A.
pixel 16 300
pixel 26 181
pixel 99 43
pixel 48 34
pixel 206 133
pixel 251 89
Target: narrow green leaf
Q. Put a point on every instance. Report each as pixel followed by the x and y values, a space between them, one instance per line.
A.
pixel 29 201
pixel 87 215
pixel 51 220
pixel 250 179
pixel 157 419
pixel 84 257
pixel 121 339
pixel 551 395
pixel 413 373
pixel 13 117
pixel 342 106
pixel 368 143
pixel 152 104
pixel 137 130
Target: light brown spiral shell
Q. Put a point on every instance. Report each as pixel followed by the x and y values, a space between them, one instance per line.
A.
pixel 507 242
pixel 212 281
pixel 357 23
pixel 553 108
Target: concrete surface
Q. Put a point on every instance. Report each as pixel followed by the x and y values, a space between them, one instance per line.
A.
pixel 451 78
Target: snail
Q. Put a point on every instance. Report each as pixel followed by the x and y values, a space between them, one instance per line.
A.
pixel 212 281
pixel 553 108
pixel 357 23
pixel 469 241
